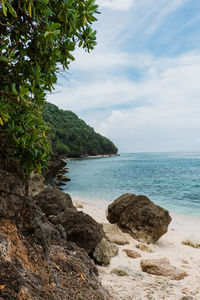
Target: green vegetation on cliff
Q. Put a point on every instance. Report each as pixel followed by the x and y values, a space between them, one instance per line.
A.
pixel 71 136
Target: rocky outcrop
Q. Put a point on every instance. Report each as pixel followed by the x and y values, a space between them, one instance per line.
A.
pixel 36 183
pixel 62 178
pixel 162 267
pixel 140 217
pixel 55 164
pixel 104 251
pixel 52 201
pixel 80 228
pixel 36 260
pixel 11 175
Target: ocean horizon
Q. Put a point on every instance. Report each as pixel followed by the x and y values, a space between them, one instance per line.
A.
pixel 169 179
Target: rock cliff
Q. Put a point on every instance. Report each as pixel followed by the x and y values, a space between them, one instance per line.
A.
pixel 37 262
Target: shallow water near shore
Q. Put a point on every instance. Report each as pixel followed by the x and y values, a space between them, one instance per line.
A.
pixel 171 180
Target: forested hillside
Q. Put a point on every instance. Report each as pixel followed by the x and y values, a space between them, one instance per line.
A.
pixel 71 136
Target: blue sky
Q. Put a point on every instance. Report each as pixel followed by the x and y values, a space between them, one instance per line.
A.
pixel 141 85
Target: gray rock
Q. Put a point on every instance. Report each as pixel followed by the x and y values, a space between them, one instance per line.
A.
pixel 104 252
pixel 122 270
pixel 131 253
pixel 192 241
pixel 52 201
pixel 80 228
pixel 139 216
pixel 114 235
pixel 162 267
pixel 147 247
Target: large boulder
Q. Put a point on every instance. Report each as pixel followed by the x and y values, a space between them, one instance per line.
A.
pixel 139 216
pixel 52 201
pixel 80 228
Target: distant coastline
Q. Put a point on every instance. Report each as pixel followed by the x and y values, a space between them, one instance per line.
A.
pixel 92 156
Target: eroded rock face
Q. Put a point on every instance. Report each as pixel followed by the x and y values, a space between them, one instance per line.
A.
pixel 162 267
pixel 80 228
pixel 104 251
pixel 37 262
pixel 10 176
pixel 52 201
pixel 66 272
pixel 139 216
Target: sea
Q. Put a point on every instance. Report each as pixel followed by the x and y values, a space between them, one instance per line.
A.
pixel 171 180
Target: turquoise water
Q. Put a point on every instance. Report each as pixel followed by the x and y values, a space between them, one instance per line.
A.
pixel 171 180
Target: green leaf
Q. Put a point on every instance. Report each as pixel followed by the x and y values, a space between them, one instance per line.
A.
pixel 4 8
pixel 1 121
pixel 3 58
pixel 5 44
pixel 24 91
pixel 46 33
pixel 54 26
pixel 11 9
pixel 14 89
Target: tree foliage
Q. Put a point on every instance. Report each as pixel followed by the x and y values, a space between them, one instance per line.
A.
pixel 71 136
pixel 37 38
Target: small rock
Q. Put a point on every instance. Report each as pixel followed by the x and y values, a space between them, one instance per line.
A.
pixel 78 205
pixel 62 178
pixel 192 241
pixel 59 183
pixel 147 247
pixel 114 235
pixel 104 251
pixel 186 298
pixel 126 271
pixel 132 253
pixel 162 267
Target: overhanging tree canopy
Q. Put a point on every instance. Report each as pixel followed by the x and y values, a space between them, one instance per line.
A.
pixel 37 37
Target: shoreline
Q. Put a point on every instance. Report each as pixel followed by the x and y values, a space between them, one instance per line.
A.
pixel 147 286
pixel 103 204
pixel 92 156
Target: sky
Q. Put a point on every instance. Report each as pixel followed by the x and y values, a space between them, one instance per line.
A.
pixel 140 86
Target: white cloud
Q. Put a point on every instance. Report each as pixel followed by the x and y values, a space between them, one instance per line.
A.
pixel 117 4
pixel 138 99
pixel 160 112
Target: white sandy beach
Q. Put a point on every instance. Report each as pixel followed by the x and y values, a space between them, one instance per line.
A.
pixel 148 286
